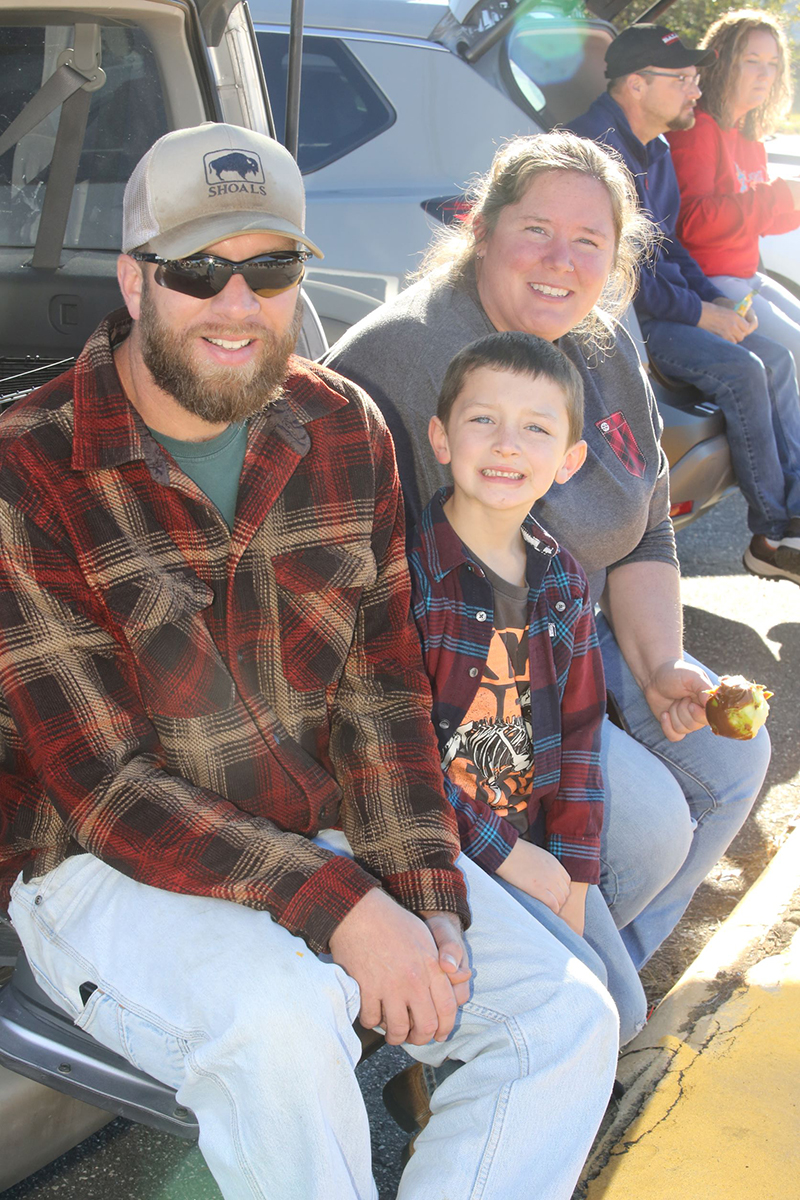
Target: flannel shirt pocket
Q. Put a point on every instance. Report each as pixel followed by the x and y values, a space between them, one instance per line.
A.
pixel 180 671
pixel 619 435
pixel 319 589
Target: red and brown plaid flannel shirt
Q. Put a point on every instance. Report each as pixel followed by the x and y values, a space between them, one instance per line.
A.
pixel 191 704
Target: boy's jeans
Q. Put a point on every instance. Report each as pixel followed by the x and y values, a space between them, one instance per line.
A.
pixel 255 1032
pixel 755 385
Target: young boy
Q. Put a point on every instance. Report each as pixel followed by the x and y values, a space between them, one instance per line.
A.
pixel 506 623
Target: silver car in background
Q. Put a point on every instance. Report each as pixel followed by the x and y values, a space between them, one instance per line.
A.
pixel 402 102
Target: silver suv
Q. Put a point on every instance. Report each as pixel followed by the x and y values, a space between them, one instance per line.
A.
pixel 402 102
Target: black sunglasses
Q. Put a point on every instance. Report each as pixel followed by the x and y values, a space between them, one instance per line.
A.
pixel 204 275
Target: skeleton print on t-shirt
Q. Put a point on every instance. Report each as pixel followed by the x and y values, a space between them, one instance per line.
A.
pixel 490 755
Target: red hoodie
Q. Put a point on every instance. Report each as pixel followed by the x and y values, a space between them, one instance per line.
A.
pixel 727 200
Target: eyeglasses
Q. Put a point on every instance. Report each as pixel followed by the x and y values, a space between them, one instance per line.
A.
pixel 686 81
pixel 205 275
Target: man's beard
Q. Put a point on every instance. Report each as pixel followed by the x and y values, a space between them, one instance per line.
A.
pixel 215 393
pixel 684 120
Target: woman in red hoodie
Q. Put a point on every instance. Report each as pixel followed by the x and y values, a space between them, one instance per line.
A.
pixel 727 199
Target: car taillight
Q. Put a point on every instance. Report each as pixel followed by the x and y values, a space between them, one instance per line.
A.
pixel 447 209
pixel 681 509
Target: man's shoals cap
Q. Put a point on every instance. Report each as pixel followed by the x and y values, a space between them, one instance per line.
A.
pixel 195 187
pixel 651 46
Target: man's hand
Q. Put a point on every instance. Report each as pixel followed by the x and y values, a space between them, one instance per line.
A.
pixel 677 693
pixel 408 971
pixel 718 317
pixel 573 911
pixel 453 957
pixel 537 872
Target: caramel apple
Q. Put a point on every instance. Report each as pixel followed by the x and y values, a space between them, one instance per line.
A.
pixel 737 708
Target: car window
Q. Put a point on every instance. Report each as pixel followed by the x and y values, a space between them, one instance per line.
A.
pixel 555 69
pixel 125 117
pixel 341 105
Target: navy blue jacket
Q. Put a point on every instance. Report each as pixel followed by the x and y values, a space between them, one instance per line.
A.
pixel 674 288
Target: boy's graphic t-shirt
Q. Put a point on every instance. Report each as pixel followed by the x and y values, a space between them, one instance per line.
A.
pixel 490 756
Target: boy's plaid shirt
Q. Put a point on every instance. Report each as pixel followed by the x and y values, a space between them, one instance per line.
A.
pixel 192 705
pixel 452 605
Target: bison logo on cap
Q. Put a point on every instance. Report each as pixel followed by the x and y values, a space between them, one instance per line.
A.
pixel 226 165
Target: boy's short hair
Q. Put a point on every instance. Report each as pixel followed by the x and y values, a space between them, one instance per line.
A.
pixel 522 354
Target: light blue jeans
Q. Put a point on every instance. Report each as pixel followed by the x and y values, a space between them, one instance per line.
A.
pixel 755 385
pixel 602 949
pixel 778 311
pixel 672 808
pixel 255 1033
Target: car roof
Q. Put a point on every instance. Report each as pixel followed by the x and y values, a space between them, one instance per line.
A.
pixel 402 18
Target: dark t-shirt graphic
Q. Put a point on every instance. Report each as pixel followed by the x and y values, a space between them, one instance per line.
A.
pixel 490 755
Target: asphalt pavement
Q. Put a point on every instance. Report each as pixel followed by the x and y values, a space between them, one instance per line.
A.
pixel 734 622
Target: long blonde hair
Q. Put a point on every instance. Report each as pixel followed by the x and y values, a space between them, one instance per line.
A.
pixel 719 80
pixel 515 166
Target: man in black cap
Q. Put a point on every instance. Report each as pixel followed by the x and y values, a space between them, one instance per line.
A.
pixel 693 332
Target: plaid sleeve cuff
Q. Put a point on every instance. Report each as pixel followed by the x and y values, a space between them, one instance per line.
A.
pixel 491 839
pixel 486 838
pixel 325 899
pixel 580 858
pixel 440 889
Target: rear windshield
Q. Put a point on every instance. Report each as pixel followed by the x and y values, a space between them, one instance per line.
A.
pixel 555 67
pixel 126 116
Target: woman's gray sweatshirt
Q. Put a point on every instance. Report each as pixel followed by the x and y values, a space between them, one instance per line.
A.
pixel 614 510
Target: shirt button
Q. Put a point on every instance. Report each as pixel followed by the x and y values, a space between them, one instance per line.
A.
pixel 39 900
pixel 480 616
pixel 444 724
pixel 604 426
pixel 560 606
pixel 240 654
pixel 473 671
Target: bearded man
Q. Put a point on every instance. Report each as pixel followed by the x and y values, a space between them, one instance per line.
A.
pixel 222 806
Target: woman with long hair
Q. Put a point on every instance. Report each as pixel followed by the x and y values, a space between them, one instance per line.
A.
pixel 727 198
pixel 550 246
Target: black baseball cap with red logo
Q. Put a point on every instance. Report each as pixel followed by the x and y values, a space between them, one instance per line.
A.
pixel 651 46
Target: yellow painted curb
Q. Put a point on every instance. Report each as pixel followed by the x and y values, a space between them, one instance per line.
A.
pixel 724 1122
pixel 712 1101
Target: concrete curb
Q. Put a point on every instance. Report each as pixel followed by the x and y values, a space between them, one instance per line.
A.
pixel 660 1143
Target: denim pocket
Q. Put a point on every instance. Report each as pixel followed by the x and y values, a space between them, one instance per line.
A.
pixel 148 1046
pixel 54 897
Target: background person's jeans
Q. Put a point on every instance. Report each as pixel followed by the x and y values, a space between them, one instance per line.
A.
pixel 778 311
pixel 255 1032
pixel 672 808
pixel 755 385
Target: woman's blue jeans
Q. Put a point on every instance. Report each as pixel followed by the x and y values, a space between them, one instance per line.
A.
pixel 672 808
pixel 755 385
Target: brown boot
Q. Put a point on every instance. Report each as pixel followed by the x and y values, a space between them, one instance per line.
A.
pixel 407 1097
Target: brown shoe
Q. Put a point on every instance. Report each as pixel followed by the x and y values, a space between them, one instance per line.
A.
pixel 407 1097
pixel 787 556
pixel 772 562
